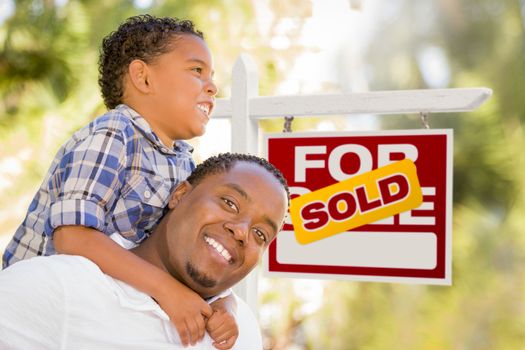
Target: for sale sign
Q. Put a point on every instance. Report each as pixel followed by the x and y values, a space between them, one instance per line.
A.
pixel 373 206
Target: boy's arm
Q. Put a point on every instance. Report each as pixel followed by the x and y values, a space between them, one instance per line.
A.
pixel 222 325
pixel 185 308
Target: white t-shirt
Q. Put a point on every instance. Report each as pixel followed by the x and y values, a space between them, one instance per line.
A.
pixel 66 302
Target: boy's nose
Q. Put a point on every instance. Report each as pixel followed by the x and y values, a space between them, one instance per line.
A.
pixel 211 88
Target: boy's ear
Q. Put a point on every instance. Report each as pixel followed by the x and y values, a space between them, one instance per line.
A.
pixel 138 75
pixel 179 192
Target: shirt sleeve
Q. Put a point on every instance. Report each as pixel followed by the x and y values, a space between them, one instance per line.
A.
pixel 87 180
pixel 32 305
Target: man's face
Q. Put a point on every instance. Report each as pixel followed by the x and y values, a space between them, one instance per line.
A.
pixel 218 230
pixel 183 92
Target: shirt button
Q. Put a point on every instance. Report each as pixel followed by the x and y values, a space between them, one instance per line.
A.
pixel 147 194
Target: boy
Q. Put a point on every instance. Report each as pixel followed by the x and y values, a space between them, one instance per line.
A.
pixel 114 176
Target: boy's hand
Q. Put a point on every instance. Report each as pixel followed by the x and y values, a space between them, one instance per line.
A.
pixel 186 310
pixel 222 328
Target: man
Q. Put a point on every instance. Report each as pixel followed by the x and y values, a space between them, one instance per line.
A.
pixel 218 225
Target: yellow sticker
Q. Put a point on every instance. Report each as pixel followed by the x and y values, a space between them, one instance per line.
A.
pixel 357 201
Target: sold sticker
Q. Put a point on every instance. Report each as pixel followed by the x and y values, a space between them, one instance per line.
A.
pixel 360 200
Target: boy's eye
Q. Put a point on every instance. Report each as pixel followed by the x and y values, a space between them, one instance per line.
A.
pixel 197 69
pixel 231 204
pixel 260 235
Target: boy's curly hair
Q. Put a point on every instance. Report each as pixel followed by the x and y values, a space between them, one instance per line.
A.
pixel 143 37
pixel 225 161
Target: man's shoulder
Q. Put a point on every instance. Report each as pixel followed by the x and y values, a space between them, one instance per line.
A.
pixel 50 277
pixel 53 266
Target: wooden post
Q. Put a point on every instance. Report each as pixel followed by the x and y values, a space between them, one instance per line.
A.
pixel 245 85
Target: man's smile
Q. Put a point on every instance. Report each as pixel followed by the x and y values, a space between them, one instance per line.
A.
pixel 219 248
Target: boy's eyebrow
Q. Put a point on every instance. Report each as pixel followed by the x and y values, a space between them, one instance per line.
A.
pixel 243 194
pixel 201 62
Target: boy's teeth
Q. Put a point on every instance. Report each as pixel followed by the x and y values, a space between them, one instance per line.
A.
pixel 219 248
pixel 204 108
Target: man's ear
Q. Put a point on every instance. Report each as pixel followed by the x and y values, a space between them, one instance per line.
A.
pixel 179 192
pixel 138 75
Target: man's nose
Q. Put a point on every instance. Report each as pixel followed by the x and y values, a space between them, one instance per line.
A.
pixel 239 230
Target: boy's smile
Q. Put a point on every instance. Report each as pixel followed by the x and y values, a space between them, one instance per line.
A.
pixel 205 108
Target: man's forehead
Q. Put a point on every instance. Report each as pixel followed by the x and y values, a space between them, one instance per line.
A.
pixel 247 178
pixel 243 173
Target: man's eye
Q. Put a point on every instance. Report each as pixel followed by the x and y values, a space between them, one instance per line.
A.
pixel 197 69
pixel 231 204
pixel 260 235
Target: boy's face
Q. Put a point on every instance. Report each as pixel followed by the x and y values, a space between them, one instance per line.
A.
pixel 218 230
pixel 182 90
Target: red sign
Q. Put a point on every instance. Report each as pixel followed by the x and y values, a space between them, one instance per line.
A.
pixel 412 247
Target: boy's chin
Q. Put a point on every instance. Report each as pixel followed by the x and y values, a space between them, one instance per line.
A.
pixel 201 131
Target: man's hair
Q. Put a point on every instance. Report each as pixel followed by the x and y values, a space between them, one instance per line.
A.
pixel 225 161
pixel 143 37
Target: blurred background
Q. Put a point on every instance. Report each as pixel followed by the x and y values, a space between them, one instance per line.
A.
pixel 48 89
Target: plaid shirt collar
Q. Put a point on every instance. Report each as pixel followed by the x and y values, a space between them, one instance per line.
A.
pixel 145 128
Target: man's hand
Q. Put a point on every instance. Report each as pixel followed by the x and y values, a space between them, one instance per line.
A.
pixel 222 328
pixel 186 310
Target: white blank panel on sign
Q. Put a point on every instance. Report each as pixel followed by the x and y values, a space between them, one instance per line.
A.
pixel 411 250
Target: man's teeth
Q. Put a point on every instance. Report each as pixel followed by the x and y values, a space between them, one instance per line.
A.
pixel 219 248
pixel 204 107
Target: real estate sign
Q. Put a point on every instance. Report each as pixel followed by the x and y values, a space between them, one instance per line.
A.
pixel 349 178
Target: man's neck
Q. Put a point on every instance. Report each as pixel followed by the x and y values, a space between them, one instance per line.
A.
pixel 147 251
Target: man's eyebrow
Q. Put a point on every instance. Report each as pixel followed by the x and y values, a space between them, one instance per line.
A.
pixel 243 194
pixel 239 190
pixel 201 62
pixel 272 224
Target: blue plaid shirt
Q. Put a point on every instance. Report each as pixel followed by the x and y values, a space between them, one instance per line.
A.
pixel 114 175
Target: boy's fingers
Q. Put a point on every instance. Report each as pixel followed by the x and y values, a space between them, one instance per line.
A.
pixel 193 328
pixel 197 329
pixel 222 335
pixel 206 310
pixel 213 322
pixel 225 344
pixel 200 325
pixel 218 332
pixel 183 334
